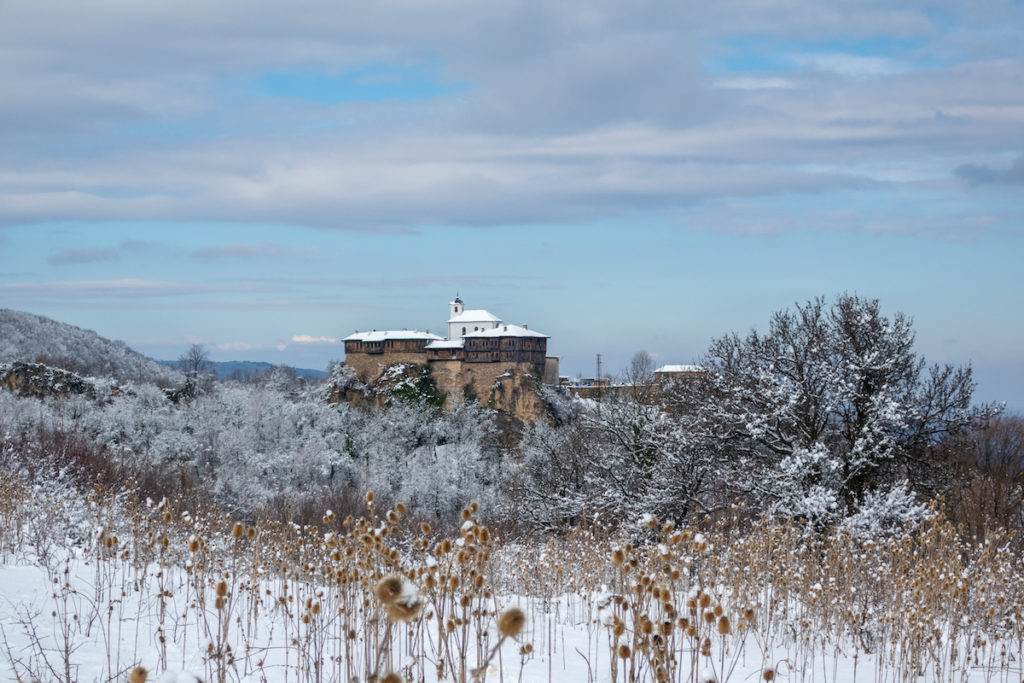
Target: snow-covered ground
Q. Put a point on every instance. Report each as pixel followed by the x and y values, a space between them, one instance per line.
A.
pixel 180 595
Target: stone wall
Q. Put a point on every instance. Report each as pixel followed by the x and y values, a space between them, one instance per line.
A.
pixel 511 388
pixel 369 366
pixel 550 370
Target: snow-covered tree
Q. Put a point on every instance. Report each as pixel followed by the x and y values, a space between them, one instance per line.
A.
pixel 829 410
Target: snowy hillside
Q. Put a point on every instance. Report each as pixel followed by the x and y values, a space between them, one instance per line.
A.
pixel 28 337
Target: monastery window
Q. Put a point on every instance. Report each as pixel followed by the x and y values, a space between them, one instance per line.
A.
pixel 463 330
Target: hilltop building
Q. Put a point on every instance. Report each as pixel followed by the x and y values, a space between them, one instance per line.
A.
pixel 479 350
pixel 667 373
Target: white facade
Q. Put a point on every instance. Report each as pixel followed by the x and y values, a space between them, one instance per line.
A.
pixel 462 322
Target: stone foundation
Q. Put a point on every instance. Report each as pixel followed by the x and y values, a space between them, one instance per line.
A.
pixel 369 366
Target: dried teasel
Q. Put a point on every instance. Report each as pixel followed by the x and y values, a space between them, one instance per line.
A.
pixel 388 589
pixel 405 610
pixel 511 622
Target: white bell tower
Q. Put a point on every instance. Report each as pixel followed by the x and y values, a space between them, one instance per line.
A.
pixel 455 307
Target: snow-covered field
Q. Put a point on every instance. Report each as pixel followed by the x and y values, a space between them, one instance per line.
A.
pixel 91 587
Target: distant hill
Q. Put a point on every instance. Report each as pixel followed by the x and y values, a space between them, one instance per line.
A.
pixel 247 369
pixel 33 338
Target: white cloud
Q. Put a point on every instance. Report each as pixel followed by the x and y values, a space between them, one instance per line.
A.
pixel 235 346
pixel 306 339
pixel 851 65
pixel 572 111
pixel 755 83
pixel 241 250
pixel 128 288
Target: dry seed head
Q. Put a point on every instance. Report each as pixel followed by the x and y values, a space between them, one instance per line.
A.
pixel 138 675
pixel 768 674
pixel 424 528
pixel 466 514
pixel 392 677
pixel 511 622
pixel 389 588
pixel 474 507
pixel 618 557
pixel 705 599
pixel 718 610
pixel 394 517
pixel 222 589
pixel 167 519
pixel 526 649
pixel 624 651
pixel 709 617
pixel 369 496
pixel 405 610
pixel 219 602
pixel 724 627
pixel 250 532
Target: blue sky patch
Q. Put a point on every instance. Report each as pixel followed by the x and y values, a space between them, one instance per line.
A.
pixel 373 83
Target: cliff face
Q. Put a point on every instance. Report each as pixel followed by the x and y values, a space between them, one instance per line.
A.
pixel 512 390
pixel 41 381
pixel 517 394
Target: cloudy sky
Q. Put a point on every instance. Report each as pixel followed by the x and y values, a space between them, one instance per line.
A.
pixel 266 177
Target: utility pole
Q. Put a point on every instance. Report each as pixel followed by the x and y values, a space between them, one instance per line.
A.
pixel 597 381
pixel 598 367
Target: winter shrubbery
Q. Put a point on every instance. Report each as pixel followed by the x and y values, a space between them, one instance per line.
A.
pixel 828 417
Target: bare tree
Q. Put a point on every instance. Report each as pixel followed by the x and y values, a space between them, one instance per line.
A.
pixel 638 378
pixel 195 361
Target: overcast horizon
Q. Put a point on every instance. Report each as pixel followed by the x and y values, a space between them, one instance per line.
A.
pixel 265 178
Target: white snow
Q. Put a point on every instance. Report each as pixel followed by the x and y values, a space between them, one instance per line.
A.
pixel 384 335
pixel 477 315
pixel 680 368
pixel 506 331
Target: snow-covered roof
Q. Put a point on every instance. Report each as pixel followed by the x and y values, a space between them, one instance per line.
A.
pixel 478 315
pixel 680 368
pixel 382 335
pixel 506 331
pixel 446 344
